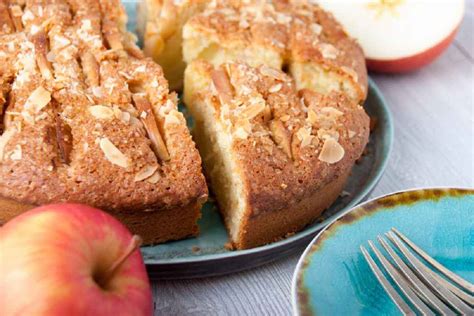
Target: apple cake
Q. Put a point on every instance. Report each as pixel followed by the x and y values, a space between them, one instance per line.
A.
pixel 86 118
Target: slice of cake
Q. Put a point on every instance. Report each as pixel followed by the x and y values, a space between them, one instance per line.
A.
pixel 85 118
pixel 276 156
pixel 274 88
pixel 297 37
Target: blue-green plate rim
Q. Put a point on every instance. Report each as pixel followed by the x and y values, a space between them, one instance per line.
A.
pixel 296 306
pixel 370 184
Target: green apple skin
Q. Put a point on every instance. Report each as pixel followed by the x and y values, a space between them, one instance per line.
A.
pixel 52 257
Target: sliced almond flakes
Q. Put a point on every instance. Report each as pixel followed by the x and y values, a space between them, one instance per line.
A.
pixel 253 110
pixel 330 111
pixel 304 135
pixel 332 151
pixel 328 51
pixel 38 99
pixel 275 88
pixel 17 153
pixel 312 117
pixel 112 153
pixel 154 178
pixel 172 118
pixel 145 173
pixel 272 73
pixel 102 112
pixel 4 139
pixel 241 133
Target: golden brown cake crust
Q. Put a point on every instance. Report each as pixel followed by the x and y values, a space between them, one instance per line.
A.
pixel 298 31
pixel 273 226
pixel 86 118
pixel 153 227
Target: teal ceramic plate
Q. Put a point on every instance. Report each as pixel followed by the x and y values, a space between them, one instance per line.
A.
pixel 332 277
pixel 207 255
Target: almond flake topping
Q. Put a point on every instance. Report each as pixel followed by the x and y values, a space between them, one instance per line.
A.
pixel 312 116
pixel 329 110
pixel 38 99
pixel 253 110
pixel 304 135
pixel 27 16
pixel 316 28
pixel 154 178
pixel 273 73
pixel 145 173
pixel 4 139
pixel 241 133
pixel 332 151
pixel 328 51
pixel 17 153
pixel 112 153
pixel 275 88
pixel 172 118
pixel 102 112
pixel 244 24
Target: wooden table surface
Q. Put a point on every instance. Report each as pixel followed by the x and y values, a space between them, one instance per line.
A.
pixel 434 144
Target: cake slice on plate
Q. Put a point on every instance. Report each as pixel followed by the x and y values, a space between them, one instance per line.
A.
pixel 276 157
pixel 275 89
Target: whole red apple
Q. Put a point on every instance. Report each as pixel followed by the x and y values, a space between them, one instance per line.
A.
pixel 71 259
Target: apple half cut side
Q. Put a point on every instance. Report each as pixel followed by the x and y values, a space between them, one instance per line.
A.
pixel 399 35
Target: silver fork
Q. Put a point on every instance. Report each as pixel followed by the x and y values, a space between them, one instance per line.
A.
pixel 425 289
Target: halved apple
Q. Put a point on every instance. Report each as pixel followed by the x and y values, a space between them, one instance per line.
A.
pixel 399 35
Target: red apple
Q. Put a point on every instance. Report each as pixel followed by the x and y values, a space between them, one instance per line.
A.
pixel 71 259
pixel 399 35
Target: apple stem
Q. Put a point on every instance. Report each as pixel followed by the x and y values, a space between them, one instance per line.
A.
pixel 134 244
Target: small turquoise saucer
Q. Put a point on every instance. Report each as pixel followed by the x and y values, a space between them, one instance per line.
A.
pixel 332 277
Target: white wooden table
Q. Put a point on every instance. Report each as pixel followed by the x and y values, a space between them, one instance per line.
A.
pixel 433 112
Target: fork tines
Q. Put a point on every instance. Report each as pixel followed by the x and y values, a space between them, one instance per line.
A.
pixel 426 290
